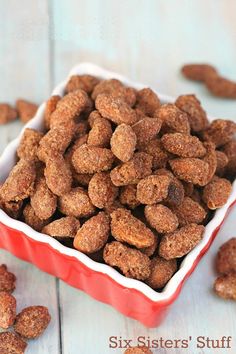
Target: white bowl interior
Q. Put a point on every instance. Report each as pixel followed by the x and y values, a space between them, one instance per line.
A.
pixel 8 159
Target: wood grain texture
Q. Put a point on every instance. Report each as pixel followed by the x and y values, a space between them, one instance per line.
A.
pixel 148 42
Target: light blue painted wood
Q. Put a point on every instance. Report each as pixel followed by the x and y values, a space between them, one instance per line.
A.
pixel 147 41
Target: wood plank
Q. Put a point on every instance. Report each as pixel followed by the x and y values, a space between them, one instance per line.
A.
pixel 25 72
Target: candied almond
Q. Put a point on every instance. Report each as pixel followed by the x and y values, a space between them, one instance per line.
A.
pixel 127 228
pixel 82 82
pixel 153 189
pixel 156 150
pixel 216 193
pixel 173 119
pixel 76 203
pixel 220 132
pixel 161 218
pixel 115 109
pixel 11 343
pixel 32 219
pixel 101 190
pixel 7 113
pixel 128 196
pixel 198 72
pixel 230 150
pixel 162 271
pixel 220 86
pixel 147 101
pixel 26 110
pixel 225 286
pixel 183 145
pixel 50 107
pixel 132 262
pixel 132 171
pixel 93 234
pixel 190 169
pixel 69 107
pixel 58 175
pixel 7 279
pixel 7 309
pixel 42 200
pixel 226 257
pixel 196 114
pixel 92 159
pixel 100 134
pixel 180 242
pixel 63 227
pixel 32 321
pixel 12 208
pixel 190 211
pixel 123 142
pixel 221 161
pixel 20 182
pixel 146 129
pixel 29 144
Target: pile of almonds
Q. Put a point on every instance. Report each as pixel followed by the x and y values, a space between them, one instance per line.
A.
pixel 122 177
pixel 30 323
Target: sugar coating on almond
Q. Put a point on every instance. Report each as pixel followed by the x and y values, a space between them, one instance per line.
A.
pixel 190 211
pixel 128 196
pixel 131 262
pixel 146 129
pixel 7 309
pixel 42 200
pixel 173 119
pixel 93 234
pixel 32 219
pixel 29 144
pixel 83 82
pixel 221 162
pixel 12 343
pixel 20 182
pixel 226 257
pixel 216 193
pixel 190 169
pixel 32 321
pixel 115 109
pixel 127 228
pixel 225 286
pixel 132 171
pixel 76 203
pixel 162 271
pixel 180 242
pixel 153 189
pixel 100 134
pixel 198 72
pixel 92 159
pixel 101 190
pixel 156 150
pixel 210 159
pixel 220 131
pixel 161 218
pixel 196 114
pixel 63 227
pixel 69 107
pixel 58 176
pixel 123 142
pixel 183 145
pixel 147 101
pixel 50 107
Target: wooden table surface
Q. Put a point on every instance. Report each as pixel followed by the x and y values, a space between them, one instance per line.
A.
pixel 147 41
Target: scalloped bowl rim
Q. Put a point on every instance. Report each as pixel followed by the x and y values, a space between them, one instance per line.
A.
pixel 7 161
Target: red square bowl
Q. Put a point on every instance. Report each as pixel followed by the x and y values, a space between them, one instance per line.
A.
pixel 131 297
